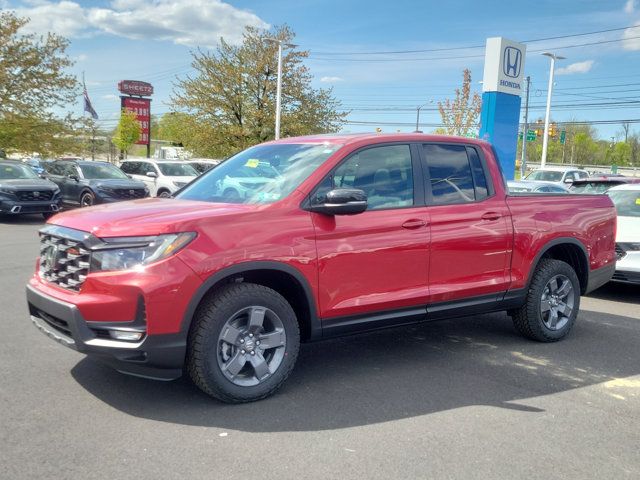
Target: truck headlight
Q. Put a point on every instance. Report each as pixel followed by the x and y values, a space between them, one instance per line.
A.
pixel 124 253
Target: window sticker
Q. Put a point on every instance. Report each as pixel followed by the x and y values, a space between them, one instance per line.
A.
pixel 637 201
pixel 252 163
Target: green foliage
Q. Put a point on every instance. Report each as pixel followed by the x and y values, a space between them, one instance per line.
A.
pixel 127 132
pixel 229 104
pixel 33 80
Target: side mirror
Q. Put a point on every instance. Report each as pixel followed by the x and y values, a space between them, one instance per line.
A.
pixel 152 174
pixel 73 177
pixel 568 180
pixel 342 201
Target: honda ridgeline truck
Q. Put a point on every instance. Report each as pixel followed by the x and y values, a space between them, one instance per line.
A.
pixel 343 234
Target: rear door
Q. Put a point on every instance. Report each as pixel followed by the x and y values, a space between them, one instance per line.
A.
pixel 470 226
pixel 376 260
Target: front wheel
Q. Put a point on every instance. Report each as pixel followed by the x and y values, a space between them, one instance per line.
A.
pixel 164 194
pixel 552 304
pixel 243 343
pixel 87 199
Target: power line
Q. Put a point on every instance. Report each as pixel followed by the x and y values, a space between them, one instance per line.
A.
pixel 477 46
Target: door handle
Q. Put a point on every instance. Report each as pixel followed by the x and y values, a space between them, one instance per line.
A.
pixel 414 223
pixel 491 216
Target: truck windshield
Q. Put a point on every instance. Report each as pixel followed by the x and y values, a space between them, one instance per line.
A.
pixel 261 174
pixel 545 175
pixel 177 169
pixel 627 202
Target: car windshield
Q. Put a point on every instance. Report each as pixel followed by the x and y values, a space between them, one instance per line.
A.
pixel 627 202
pixel 16 172
pixel 176 169
pixel 593 187
pixel 545 175
pixel 261 174
pixel 101 171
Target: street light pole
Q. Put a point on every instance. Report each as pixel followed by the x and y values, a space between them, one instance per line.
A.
pixel 545 140
pixel 279 81
pixel 418 115
pixel 279 90
pixel 523 159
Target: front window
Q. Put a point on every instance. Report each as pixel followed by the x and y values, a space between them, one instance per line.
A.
pixel 627 202
pixel 16 172
pixel 261 174
pixel 545 176
pixel 101 171
pixel 175 169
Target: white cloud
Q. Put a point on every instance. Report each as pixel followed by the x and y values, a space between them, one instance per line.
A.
pixel 630 6
pixel 631 38
pixel 82 57
pixel 579 67
pixel 184 22
pixel 110 96
pixel 331 79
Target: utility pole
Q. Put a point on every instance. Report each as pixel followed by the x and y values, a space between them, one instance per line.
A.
pixel 545 140
pixel 279 81
pixel 523 158
pixel 418 115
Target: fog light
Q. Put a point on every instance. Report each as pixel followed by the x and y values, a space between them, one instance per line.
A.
pixel 126 335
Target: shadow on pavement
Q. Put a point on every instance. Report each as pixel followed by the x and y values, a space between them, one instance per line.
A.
pixel 618 292
pixel 395 374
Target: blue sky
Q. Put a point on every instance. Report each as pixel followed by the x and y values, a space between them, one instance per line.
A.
pixel 150 40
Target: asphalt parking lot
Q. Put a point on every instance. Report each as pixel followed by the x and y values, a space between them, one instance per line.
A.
pixel 465 398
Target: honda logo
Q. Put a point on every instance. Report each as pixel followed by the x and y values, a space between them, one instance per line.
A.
pixel 512 62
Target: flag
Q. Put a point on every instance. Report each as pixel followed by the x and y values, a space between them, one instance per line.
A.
pixel 87 103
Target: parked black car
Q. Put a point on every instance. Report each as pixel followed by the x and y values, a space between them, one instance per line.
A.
pixel 85 183
pixel 22 191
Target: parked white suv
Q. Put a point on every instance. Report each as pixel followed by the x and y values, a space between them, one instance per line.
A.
pixel 557 175
pixel 161 177
pixel 626 198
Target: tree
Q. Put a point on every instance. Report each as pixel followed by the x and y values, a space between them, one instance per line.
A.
pixel 175 127
pixel 33 81
pixel 127 132
pixel 460 115
pixel 621 154
pixel 229 103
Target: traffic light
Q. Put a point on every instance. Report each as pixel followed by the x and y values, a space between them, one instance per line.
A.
pixel 553 130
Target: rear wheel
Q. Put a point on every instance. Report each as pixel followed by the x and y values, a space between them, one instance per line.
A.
pixel 164 194
pixel 243 343
pixel 87 199
pixel 552 304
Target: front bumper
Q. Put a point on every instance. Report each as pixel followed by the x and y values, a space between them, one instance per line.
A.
pixel 16 207
pixel 160 357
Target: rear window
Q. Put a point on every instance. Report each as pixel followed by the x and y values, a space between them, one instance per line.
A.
pixel 545 176
pixel 593 187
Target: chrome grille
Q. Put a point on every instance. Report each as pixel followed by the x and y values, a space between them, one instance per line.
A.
pixel 130 193
pixel 34 195
pixel 64 261
pixel 620 253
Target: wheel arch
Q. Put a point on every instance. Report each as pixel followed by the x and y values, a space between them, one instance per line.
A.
pixel 569 250
pixel 281 277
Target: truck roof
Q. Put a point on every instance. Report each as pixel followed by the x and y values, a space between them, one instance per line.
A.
pixel 348 138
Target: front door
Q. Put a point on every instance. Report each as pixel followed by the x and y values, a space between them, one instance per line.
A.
pixel 377 260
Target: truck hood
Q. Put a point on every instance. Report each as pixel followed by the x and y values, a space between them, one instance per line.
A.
pixel 628 230
pixel 149 216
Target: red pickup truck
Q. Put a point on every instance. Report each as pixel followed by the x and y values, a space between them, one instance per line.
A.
pixel 307 238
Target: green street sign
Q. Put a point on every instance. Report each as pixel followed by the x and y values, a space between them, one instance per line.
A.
pixel 531 136
pixel 563 136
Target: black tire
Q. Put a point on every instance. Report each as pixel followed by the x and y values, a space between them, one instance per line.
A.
pixel 231 195
pixel 206 348
pixel 164 194
pixel 531 320
pixel 87 199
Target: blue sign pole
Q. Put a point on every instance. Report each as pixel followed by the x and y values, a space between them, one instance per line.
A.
pixel 502 87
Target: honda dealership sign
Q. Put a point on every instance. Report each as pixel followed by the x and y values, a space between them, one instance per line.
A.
pixel 504 66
